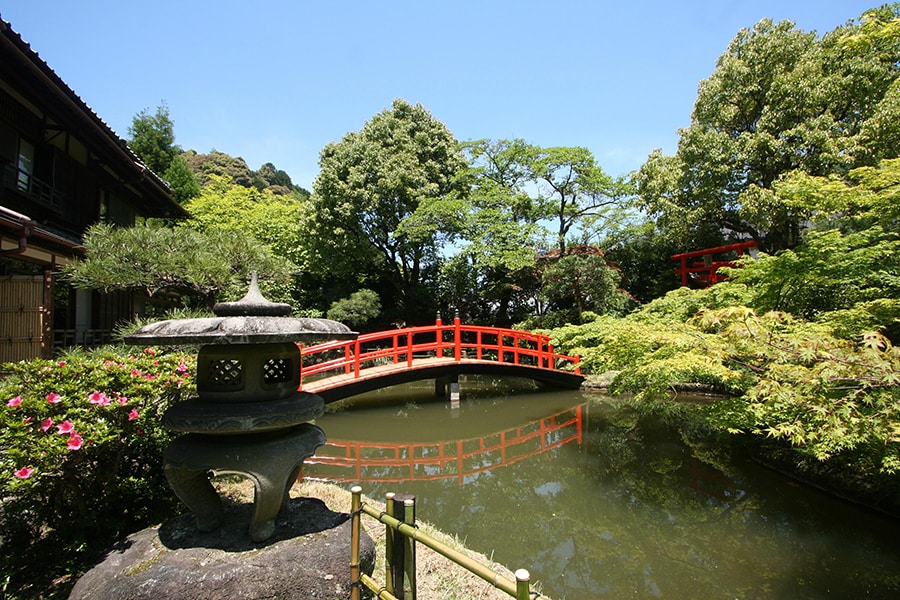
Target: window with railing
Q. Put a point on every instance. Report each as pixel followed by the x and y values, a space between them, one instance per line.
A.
pixel 25 165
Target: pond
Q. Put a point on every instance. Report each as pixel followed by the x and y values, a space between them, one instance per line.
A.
pixel 597 501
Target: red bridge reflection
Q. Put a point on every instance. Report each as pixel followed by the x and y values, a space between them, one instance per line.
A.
pixel 349 461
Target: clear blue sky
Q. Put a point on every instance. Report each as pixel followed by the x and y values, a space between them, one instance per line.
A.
pixel 274 81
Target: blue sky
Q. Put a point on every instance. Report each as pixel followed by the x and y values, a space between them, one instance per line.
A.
pixel 274 81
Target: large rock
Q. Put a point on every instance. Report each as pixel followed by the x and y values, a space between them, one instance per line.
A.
pixel 307 557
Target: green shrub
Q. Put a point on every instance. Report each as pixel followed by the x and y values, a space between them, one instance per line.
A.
pixel 81 461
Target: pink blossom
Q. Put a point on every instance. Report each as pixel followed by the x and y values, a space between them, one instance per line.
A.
pixel 53 398
pixel 46 424
pixel 24 472
pixel 135 373
pixel 62 363
pixel 14 402
pixel 182 368
pixel 75 441
pixel 133 414
pixel 149 377
pixel 150 351
pixel 26 421
pixel 122 399
pixel 65 427
pixel 99 398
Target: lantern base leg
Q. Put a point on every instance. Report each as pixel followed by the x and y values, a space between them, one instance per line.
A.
pixel 272 461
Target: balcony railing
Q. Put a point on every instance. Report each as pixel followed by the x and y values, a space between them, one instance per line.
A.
pixel 36 189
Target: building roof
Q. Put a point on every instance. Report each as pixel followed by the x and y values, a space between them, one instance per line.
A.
pixel 34 76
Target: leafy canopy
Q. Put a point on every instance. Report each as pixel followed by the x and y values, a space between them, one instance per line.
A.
pixel 204 266
pixel 368 191
pixel 780 100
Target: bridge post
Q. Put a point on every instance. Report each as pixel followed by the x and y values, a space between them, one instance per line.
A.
pixel 441 389
pixel 454 394
pixel 457 337
pixel 438 336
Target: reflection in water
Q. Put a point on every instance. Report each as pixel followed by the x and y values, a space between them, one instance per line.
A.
pixel 626 509
pixel 462 460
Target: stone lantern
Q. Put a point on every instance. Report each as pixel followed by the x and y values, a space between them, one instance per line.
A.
pixel 248 417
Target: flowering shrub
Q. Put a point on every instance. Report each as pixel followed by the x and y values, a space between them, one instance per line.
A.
pixel 82 441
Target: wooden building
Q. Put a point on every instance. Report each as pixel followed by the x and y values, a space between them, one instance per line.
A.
pixel 62 169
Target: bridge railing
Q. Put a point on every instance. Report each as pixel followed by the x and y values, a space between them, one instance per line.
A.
pixel 454 340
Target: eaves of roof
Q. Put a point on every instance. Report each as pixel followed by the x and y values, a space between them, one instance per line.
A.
pixel 75 113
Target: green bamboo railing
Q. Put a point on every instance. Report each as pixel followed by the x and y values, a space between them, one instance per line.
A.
pixel 400 580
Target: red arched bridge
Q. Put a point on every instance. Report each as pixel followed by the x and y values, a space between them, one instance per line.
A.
pixel 336 370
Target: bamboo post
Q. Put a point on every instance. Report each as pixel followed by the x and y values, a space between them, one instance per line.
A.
pixel 355 517
pixel 400 553
pixel 389 545
pixel 523 578
pixel 409 568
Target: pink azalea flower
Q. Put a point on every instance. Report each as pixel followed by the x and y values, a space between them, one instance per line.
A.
pixel 24 472
pixel 53 398
pixel 150 351
pixel 26 421
pixel 62 363
pixel 99 398
pixel 122 400
pixel 65 427
pixel 135 372
pixel 46 424
pixel 14 402
pixel 182 368
pixel 74 442
pixel 133 414
pixel 149 377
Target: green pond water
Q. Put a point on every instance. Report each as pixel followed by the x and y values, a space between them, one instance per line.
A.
pixel 597 502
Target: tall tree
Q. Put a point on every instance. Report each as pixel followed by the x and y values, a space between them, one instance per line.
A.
pixel 582 281
pixel 574 191
pixel 369 185
pixel 492 278
pixel 779 100
pixel 152 137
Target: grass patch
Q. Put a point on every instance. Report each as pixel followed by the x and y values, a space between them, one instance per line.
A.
pixel 437 578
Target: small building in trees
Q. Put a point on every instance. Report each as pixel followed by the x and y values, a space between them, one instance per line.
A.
pixel 62 169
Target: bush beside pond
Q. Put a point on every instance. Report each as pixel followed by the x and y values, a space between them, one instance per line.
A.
pixel 81 463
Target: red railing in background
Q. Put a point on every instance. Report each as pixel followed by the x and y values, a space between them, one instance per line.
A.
pixel 343 461
pixel 455 340
pixel 701 266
